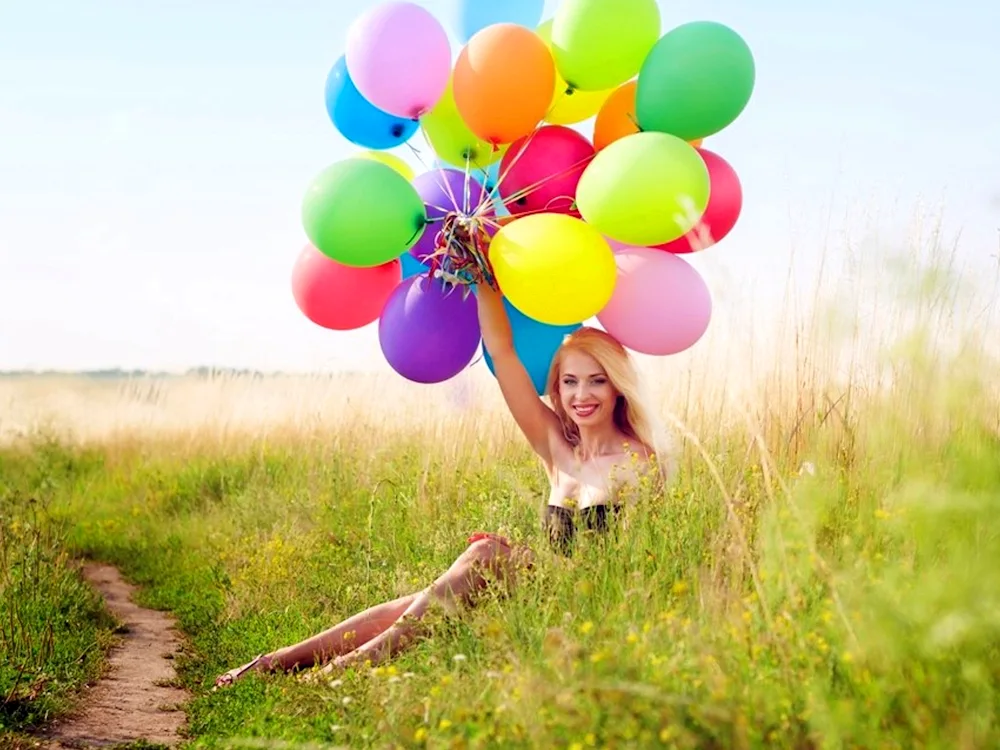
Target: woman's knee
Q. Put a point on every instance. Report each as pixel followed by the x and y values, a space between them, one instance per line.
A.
pixel 485 552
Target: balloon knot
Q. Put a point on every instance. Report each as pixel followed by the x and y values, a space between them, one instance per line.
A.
pixel 460 255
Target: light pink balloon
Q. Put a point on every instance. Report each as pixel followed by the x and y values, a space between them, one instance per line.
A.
pixel 399 58
pixel 660 305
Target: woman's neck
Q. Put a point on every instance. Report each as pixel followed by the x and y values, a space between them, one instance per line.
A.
pixel 606 440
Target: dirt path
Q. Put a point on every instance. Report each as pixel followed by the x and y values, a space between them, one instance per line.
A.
pixel 133 700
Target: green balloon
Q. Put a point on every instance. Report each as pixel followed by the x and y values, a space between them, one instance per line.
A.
pixel 644 189
pixel 362 213
pixel 695 81
pixel 600 44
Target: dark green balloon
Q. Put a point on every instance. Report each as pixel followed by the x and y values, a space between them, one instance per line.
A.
pixel 695 81
pixel 362 213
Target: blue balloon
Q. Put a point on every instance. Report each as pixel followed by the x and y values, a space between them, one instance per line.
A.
pixel 535 343
pixel 412 266
pixel 475 15
pixel 357 119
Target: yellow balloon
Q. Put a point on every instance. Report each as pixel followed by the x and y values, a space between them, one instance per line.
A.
pixel 569 106
pixel 390 160
pixel 554 268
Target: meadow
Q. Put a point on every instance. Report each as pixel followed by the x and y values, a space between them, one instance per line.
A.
pixel 822 572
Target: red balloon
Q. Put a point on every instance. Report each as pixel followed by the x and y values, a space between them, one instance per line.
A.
pixel 725 201
pixel 341 297
pixel 540 171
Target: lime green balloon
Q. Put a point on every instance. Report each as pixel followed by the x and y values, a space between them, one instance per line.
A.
pixel 600 44
pixel 695 81
pixel 644 189
pixel 362 213
pixel 451 138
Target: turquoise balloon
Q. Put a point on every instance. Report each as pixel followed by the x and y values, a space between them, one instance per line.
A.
pixel 536 344
pixel 412 266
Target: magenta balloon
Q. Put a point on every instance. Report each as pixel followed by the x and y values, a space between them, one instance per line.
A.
pixel 427 331
pixel 446 191
pixel 660 305
pixel 399 58
pixel 725 202
pixel 546 164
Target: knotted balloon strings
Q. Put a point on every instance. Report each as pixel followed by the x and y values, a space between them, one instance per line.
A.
pixel 461 252
pixel 461 247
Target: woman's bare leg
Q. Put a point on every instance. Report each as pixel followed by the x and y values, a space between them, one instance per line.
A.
pixel 340 639
pixel 457 585
pixel 343 637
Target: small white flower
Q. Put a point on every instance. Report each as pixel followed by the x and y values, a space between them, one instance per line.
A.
pixel 346 700
pixel 336 683
pixel 458 657
pixel 408 675
pixel 395 678
pixel 807 468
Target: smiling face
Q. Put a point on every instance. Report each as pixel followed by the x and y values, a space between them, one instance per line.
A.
pixel 585 391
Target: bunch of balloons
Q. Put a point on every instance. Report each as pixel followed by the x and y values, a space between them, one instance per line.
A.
pixel 568 152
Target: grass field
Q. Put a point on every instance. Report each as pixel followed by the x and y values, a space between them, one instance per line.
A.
pixel 824 570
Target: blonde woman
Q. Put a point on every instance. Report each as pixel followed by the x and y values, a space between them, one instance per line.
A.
pixel 595 441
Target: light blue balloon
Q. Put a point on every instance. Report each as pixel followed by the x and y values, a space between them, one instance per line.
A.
pixel 474 15
pixel 535 343
pixel 490 175
pixel 357 119
pixel 412 266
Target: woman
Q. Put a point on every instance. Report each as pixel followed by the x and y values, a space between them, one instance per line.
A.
pixel 588 441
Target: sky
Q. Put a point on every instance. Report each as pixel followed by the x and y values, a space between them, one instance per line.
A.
pixel 154 156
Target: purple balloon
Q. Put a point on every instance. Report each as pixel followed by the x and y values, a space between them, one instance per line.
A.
pixel 445 191
pixel 428 331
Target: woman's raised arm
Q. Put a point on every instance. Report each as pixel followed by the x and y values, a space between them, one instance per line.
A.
pixel 536 420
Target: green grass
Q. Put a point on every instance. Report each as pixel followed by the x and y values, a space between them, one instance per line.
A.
pixel 754 604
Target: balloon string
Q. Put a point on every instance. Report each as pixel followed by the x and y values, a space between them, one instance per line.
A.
pixel 490 195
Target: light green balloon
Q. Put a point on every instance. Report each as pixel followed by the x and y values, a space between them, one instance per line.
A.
pixel 644 189
pixel 600 44
pixel 451 138
pixel 362 213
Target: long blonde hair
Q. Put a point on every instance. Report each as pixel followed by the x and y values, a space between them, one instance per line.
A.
pixel 632 414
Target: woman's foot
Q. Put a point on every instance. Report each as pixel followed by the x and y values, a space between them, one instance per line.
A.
pixel 261 662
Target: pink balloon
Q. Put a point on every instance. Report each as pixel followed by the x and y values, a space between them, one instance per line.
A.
pixel 399 58
pixel 546 165
pixel 341 297
pixel 725 201
pixel 660 305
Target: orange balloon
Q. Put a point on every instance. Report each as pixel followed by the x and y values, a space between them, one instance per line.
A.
pixel 503 82
pixel 616 118
pixel 697 142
